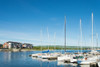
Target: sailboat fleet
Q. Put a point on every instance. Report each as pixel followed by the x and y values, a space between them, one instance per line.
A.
pixel 79 58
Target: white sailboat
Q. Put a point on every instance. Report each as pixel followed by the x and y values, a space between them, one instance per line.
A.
pixel 39 55
pixel 73 58
pixel 36 55
pixel 55 53
pixel 86 61
pixel 43 54
pixel 92 59
pixel 49 55
pixel 64 57
pixel 92 51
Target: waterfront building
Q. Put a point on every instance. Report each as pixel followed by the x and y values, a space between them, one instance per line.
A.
pixel 27 45
pixel 1 45
pixel 11 44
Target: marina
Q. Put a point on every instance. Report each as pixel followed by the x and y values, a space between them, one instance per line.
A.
pixel 20 59
pixel 84 59
pixel 49 33
pixel 91 58
pixel 77 58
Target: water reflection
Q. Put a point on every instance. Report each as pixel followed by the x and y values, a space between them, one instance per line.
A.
pixel 84 65
pixel 8 56
pixel 22 59
pixel 67 64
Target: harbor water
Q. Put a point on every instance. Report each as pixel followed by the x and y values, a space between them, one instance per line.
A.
pixel 22 59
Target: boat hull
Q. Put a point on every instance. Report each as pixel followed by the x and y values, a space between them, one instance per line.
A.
pixel 86 62
pixel 63 58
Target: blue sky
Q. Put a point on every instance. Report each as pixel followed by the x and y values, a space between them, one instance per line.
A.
pixel 22 20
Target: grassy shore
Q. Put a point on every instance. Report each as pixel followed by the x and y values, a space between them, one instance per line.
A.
pixel 59 48
pixel 39 48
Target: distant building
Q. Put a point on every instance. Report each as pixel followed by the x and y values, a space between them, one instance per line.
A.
pixel 27 45
pixel 1 45
pixel 11 44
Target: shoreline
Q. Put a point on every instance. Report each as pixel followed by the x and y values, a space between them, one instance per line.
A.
pixel 23 50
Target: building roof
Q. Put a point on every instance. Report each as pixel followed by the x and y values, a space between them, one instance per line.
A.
pixel 27 44
pixel 14 42
pixel 1 44
pixel 19 43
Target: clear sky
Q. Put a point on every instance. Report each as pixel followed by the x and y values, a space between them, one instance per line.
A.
pixel 22 20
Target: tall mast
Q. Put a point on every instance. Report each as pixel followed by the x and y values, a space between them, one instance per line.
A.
pixel 65 34
pixel 97 39
pixel 81 35
pixel 92 32
pixel 54 40
pixel 78 46
pixel 48 37
pixel 41 39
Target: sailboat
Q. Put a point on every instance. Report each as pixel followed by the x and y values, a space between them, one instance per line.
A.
pixel 92 51
pixel 43 54
pixel 39 55
pixel 55 53
pixel 48 55
pixel 74 58
pixel 64 57
pixel 47 51
pixel 92 58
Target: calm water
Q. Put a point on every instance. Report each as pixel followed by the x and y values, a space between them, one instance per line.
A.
pixel 22 59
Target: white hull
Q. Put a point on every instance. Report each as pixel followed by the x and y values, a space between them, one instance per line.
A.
pixel 38 55
pixel 99 64
pixel 63 58
pixel 84 65
pixel 73 60
pixel 48 56
pixel 86 62
pixel 51 56
pixel 34 55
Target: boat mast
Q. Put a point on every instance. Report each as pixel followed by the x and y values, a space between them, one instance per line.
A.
pixel 81 35
pixel 97 40
pixel 54 40
pixel 78 47
pixel 92 32
pixel 48 37
pixel 65 34
pixel 41 39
